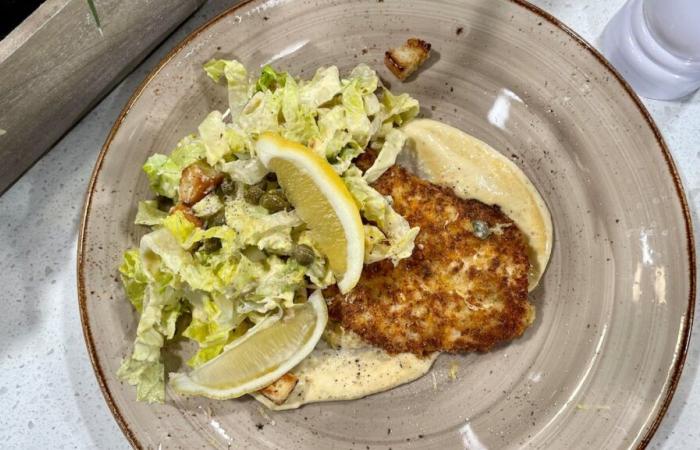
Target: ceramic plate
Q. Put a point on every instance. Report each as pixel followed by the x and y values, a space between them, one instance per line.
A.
pixel 598 367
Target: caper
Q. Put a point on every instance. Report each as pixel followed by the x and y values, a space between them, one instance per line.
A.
pixel 253 193
pixel 217 219
pixel 303 254
pixel 273 201
pixel 270 185
pixel 211 244
pixel 480 229
pixel 164 203
pixel 228 187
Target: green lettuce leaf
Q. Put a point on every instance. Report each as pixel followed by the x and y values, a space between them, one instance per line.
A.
pixel 181 229
pixel 367 79
pixel 208 206
pixel 212 132
pixel 144 367
pixel 399 109
pixel 344 160
pixel 376 208
pixel 393 144
pixel 133 278
pixel 239 89
pixel 270 79
pixel 324 85
pixel 160 250
pixel 269 284
pixel 261 113
pixel 299 120
pixel 333 134
pixel 254 223
pixel 372 105
pixel 149 214
pixel 214 321
pixel 357 122
pixel 248 171
pixel 164 171
pixel 379 247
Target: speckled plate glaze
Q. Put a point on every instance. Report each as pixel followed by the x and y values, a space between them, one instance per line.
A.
pixel 598 367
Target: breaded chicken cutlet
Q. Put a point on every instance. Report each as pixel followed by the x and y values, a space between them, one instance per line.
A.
pixel 464 287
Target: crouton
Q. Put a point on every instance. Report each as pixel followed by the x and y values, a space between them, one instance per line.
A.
pixel 405 60
pixel 197 180
pixel 280 389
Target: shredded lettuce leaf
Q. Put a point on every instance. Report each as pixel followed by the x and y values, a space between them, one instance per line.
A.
pixel 212 131
pixel 225 262
pixel 270 79
pixel 208 206
pixel 144 367
pixel 393 144
pixel 149 214
pixel 399 235
pixel 322 88
pixel 247 171
pixel 164 171
pixel 236 79
pixel 133 278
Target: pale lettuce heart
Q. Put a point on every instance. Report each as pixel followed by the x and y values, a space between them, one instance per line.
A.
pixel 376 208
pixel 393 144
pixel 322 88
pixel 239 89
pixel 212 132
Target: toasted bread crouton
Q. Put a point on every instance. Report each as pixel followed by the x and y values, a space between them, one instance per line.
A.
pixel 196 181
pixel 405 60
pixel 280 389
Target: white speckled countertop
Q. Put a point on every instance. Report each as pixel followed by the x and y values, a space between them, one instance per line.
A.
pixel 48 391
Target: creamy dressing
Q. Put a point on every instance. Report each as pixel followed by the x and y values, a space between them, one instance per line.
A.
pixel 342 366
pixel 348 370
pixel 445 155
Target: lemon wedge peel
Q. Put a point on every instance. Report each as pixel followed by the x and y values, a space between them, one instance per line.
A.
pixel 284 157
pixel 201 380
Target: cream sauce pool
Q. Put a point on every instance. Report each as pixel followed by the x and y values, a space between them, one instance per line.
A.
pixel 347 370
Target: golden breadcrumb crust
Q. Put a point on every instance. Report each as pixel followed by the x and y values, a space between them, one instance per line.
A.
pixel 456 292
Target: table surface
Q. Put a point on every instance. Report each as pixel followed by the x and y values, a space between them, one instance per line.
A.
pixel 50 395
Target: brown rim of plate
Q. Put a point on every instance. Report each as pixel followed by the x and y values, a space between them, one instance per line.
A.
pixel 680 361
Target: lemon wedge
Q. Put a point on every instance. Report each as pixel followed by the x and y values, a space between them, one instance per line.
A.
pixel 259 359
pixel 322 201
